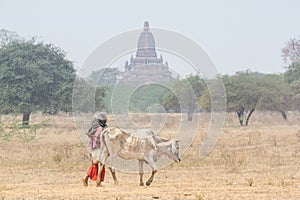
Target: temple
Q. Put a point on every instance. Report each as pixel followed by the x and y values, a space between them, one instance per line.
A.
pixel 146 66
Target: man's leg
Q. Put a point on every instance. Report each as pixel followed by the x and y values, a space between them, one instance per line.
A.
pixel 91 173
pixel 102 173
pixel 85 181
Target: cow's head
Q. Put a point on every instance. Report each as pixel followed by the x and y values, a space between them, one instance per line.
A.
pixel 174 151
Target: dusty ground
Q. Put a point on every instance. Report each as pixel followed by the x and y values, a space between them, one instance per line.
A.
pixel 261 161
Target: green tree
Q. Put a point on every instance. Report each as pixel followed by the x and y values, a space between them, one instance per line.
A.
pixel 34 77
pixel 293 73
pixel 104 76
pixel 198 84
pixel 101 92
pixel 295 86
pixel 219 97
pixel 170 102
pixel 242 95
pixel 83 96
pixel 146 96
pixel 186 95
pixel 275 94
pixel 205 101
pixel 248 91
pixel 292 77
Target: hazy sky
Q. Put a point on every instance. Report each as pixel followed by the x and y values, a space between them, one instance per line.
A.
pixel 236 34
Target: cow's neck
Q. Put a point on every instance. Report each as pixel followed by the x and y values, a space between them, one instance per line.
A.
pixel 162 149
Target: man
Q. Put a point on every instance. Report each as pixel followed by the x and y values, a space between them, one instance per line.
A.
pixel 97 126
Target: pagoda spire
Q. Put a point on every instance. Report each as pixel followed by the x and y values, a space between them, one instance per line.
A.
pixel 146 26
pixel 146 65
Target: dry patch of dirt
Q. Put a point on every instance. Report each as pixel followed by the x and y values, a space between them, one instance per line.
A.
pixel 261 161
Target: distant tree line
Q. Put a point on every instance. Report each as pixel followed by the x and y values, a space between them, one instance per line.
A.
pixel 246 92
pixel 35 76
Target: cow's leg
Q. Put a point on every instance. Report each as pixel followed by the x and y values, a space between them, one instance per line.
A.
pixel 103 157
pixel 113 173
pixel 141 172
pixel 151 178
pixel 99 175
pixel 154 170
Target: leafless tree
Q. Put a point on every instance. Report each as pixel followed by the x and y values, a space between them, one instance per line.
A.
pixel 7 36
pixel 291 51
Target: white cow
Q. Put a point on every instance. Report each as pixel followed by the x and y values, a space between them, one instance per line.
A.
pixel 147 148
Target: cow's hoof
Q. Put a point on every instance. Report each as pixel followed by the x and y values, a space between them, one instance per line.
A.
pixel 98 184
pixel 141 184
pixel 85 182
pixel 148 183
pixel 116 182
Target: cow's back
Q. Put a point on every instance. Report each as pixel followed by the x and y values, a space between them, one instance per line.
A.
pixel 134 141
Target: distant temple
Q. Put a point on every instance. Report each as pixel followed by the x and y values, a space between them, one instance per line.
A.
pixel 146 66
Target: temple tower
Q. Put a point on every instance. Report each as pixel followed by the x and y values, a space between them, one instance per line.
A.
pixel 146 66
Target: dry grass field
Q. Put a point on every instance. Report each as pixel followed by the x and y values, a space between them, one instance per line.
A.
pixel 261 161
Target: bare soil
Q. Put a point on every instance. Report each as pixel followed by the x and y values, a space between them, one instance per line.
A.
pixel 261 161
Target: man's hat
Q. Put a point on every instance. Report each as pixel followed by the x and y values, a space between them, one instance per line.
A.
pixel 101 116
